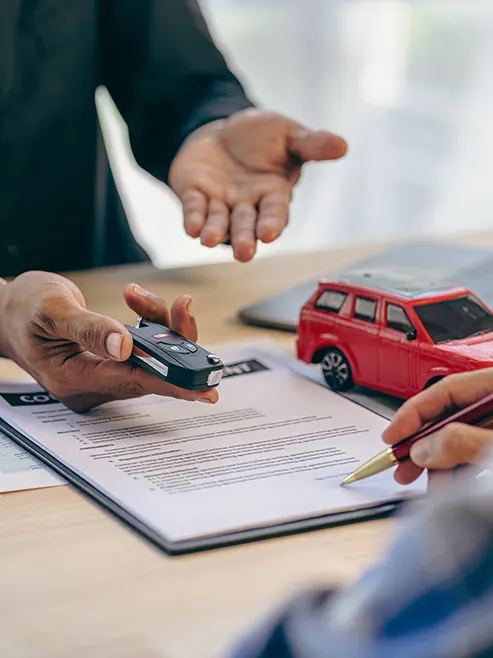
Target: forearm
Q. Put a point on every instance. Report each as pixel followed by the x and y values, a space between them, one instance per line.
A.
pixel 157 133
pixel 166 75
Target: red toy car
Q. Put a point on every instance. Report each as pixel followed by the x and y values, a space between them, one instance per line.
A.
pixel 393 333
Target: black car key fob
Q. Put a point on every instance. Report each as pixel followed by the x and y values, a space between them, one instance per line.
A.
pixel 174 358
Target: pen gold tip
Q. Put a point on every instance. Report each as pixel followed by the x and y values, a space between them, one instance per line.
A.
pixel 377 464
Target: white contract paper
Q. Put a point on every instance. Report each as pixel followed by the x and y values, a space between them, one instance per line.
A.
pixel 272 452
pixel 19 471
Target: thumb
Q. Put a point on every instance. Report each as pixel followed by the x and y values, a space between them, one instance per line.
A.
pixel 455 444
pixel 313 145
pixel 95 333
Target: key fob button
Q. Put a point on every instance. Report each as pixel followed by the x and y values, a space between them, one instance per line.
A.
pixel 190 346
pixel 174 349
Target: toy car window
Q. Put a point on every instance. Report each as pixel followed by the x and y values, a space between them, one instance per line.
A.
pixel 365 309
pixel 331 300
pixel 397 319
pixel 454 319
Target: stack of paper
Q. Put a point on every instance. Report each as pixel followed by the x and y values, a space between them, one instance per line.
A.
pixel 267 459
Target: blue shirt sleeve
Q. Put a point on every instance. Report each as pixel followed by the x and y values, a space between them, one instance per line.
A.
pixel 431 597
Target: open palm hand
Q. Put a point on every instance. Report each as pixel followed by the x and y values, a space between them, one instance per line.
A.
pixel 235 178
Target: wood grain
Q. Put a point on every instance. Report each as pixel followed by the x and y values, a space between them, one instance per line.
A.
pixel 74 582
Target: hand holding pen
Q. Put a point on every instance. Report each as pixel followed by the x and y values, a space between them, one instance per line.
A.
pixel 443 427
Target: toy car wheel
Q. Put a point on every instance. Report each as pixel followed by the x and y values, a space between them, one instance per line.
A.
pixel 433 381
pixel 336 370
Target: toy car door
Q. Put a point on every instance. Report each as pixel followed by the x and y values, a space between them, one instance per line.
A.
pixel 397 351
pixel 361 338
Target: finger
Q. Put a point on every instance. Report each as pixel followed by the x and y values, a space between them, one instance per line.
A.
pixel 453 445
pixel 273 216
pixel 194 211
pixel 407 472
pixel 123 381
pixel 151 307
pixel 313 145
pixel 145 303
pixel 215 229
pixel 182 318
pixel 243 231
pixel 456 391
pixel 93 332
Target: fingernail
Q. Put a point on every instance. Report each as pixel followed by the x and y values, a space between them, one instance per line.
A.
pixel 138 290
pixel 114 345
pixel 420 454
pixel 190 308
pixel 141 292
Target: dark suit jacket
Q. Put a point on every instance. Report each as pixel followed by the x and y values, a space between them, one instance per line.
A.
pixel 167 78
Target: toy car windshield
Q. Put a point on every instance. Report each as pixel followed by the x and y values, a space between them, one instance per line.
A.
pixel 454 319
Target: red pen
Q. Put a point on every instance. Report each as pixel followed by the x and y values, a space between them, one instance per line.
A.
pixel 479 413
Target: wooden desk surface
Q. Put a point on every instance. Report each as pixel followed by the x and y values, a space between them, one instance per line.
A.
pixel 76 583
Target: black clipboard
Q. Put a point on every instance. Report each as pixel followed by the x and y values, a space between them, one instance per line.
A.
pixel 202 543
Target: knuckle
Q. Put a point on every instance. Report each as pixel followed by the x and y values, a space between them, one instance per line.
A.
pixel 217 206
pixel 245 207
pixel 132 388
pixel 245 216
pixel 217 217
pixel 242 234
pixel 85 332
pixel 279 204
pixel 190 195
pixel 451 438
pixel 48 308
pixel 193 201
pixel 44 319
pixel 442 387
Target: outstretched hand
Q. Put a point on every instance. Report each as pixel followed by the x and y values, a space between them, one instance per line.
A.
pixel 235 178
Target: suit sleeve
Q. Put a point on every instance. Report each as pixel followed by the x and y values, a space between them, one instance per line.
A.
pixel 165 74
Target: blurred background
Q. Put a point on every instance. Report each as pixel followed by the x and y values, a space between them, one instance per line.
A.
pixel 407 82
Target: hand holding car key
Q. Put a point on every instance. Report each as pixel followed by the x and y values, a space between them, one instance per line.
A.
pixel 172 357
